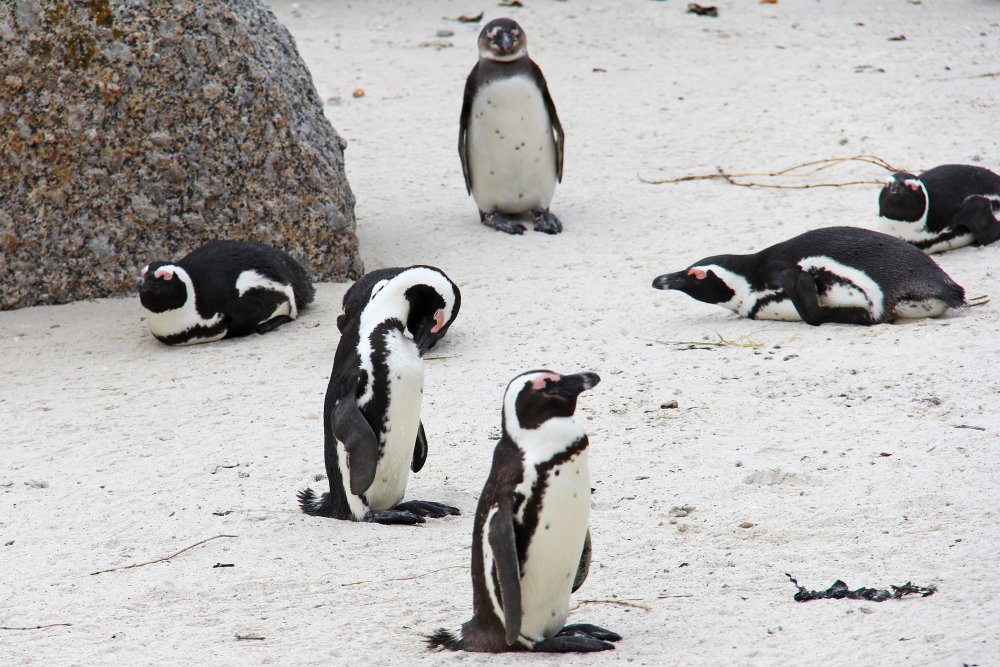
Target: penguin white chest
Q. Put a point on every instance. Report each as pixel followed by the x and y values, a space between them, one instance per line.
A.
pixel 511 149
pixel 553 555
pixel 404 386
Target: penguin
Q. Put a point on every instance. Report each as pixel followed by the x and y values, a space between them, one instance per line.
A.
pixel 531 541
pixel 836 274
pixel 510 139
pixel 946 207
pixel 357 296
pixel 223 289
pixel 372 432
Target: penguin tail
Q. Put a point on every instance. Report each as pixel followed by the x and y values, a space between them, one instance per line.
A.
pixel 444 639
pixel 955 295
pixel 314 506
pixel 302 287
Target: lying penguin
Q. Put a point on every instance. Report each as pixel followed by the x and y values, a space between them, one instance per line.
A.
pixel 358 295
pixel 530 540
pixel 837 274
pixel 945 207
pixel 223 289
pixel 509 137
pixel 371 417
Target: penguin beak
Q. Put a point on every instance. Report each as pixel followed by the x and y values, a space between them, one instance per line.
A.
pixel 428 331
pixel 504 42
pixel 571 386
pixel 670 280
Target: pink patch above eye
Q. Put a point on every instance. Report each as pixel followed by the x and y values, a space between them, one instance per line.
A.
pixel 438 321
pixel 145 270
pixel 697 274
pixel 912 184
pixel 541 380
pixel 166 274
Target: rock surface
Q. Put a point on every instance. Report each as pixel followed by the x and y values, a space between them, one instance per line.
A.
pixel 138 131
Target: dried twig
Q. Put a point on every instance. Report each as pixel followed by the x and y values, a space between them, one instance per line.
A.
pixel 160 560
pixel 682 595
pixel 38 627
pixel 415 576
pixel 623 603
pixel 743 341
pixel 257 637
pixel 798 170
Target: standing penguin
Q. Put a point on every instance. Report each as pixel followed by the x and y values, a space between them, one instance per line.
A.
pixel 371 416
pixel 509 137
pixel 222 289
pixel 530 540
pixel 836 274
pixel 946 207
pixel 358 295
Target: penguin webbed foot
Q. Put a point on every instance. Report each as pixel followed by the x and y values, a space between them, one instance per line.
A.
pixel 428 508
pixel 273 324
pixel 393 517
pixel 547 223
pixel 504 224
pixel 572 644
pixel 589 630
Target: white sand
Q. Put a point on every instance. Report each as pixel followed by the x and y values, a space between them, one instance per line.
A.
pixel 129 435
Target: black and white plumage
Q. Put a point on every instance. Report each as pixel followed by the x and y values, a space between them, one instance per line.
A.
pixel 836 274
pixel 372 432
pixel 946 207
pixel 358 295
pixel 531 539
pixel 510 139
pixel 223 289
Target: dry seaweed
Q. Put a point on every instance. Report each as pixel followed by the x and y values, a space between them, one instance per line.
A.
pixel 795 171
pixel 839 591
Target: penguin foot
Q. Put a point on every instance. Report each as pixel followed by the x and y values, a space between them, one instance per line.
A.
pixel 393 517
pixel 428 508
pixel 572 644
pixel 546 222
pixel 589 630
pixel 497 221
pixel 273 324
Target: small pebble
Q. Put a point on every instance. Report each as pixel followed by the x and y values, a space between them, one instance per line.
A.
pixel 669 405
pixel 747 524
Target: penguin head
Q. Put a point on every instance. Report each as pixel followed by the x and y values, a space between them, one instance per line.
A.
pixel 502 40
pixel 161 287
pixel 708 281
pixel 421 296
pixel 535 397
pixel 903 197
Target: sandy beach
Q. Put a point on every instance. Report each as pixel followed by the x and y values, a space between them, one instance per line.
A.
pixel 868 454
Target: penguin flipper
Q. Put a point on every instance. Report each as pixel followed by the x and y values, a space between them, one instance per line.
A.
pixel 504 547
pixel 419 450
pixel 251 312
pixel 352 429
pixel 463 127
pixel 977 214
pixel 584 569
pixel 557 129
pixel 800 286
